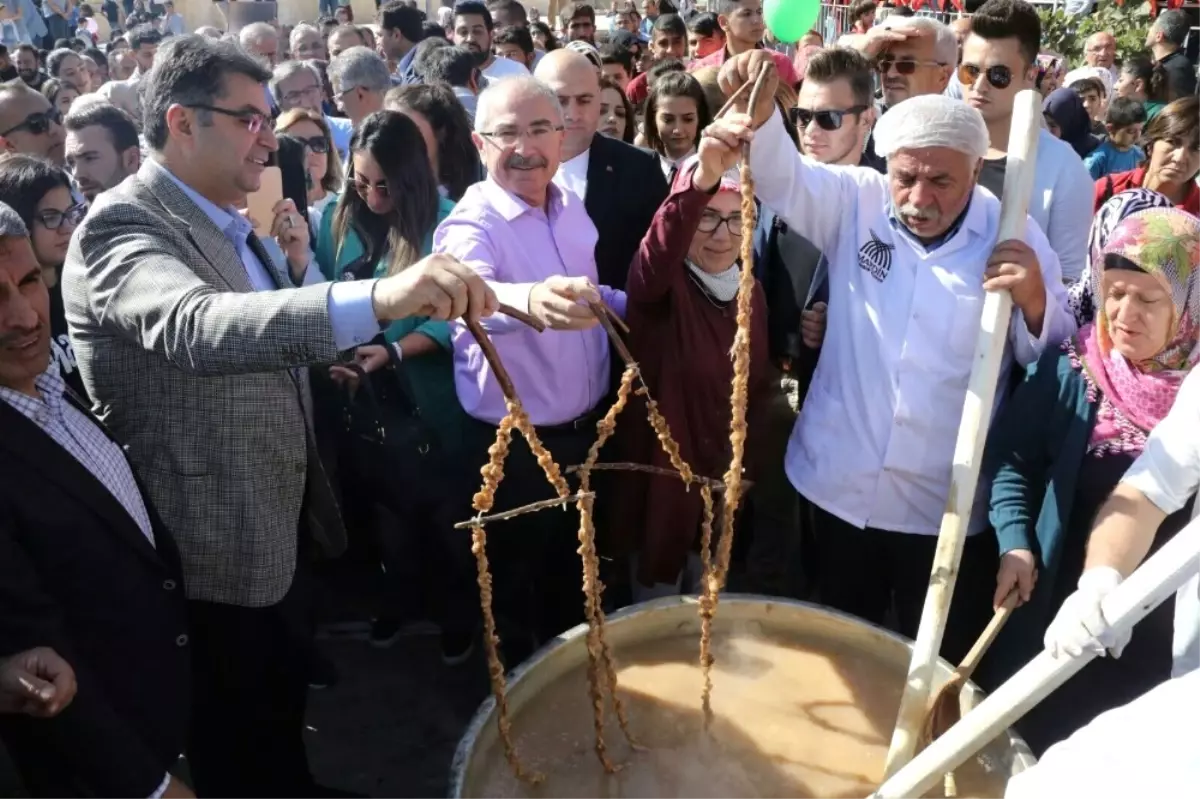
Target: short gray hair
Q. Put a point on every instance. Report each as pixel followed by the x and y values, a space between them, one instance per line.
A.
pixel 497 93
pixel 359 67
pixel 945 46
pixel 256 32
pixel 303 27
pixel 285 72
pixel 1173 24
pixel 10 223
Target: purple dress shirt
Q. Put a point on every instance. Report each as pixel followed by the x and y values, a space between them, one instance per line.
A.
pixel 559 375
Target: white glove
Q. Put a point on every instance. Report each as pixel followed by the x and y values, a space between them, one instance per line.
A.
pixel 1080 625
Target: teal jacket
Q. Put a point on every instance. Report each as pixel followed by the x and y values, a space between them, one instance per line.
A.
pixel 432 375
pixel 1035 451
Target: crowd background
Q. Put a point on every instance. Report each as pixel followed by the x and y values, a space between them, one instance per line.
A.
pixel 382 121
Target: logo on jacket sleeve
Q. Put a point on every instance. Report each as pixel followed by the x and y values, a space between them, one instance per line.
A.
pixel 876 257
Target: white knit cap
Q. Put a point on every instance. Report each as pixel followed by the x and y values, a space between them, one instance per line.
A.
pixel 931 120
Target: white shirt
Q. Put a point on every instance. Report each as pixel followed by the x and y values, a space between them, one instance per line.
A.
pixel 501 68
pixel 875 442
pixel 1168 473
pixel 1145 748
pixel 572 175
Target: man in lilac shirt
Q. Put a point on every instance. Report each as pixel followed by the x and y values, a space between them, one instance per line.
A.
pixel 534 245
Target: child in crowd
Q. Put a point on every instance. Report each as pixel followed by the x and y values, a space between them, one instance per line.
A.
pixel 1094 94
pixel 1119 152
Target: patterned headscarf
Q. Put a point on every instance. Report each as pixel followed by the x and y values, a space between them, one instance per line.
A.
pixel 1164 243
pixel 1110 214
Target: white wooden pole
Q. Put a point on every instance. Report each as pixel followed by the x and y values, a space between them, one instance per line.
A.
pixel 1151 584
pixel 972 434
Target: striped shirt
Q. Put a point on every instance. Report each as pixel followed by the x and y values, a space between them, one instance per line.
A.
pixel 72 430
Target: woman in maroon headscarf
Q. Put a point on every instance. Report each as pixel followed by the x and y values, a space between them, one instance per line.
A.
pixel 682 315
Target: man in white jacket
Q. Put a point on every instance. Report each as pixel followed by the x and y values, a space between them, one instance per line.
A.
pixel 910 254
pixel 999 59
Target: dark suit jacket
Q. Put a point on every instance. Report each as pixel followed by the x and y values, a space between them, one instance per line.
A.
pixel 78 575
pixel 625 187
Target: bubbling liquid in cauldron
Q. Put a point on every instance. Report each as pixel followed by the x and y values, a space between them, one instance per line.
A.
pixel 792 718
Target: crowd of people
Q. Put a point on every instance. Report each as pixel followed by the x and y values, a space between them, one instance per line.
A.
pixel 205 400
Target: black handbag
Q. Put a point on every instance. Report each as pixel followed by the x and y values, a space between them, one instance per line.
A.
pixel 387 442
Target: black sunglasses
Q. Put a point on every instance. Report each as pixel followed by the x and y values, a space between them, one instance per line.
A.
pixel 828 119
pixel 903 66
pixel 999 76
pixel 318 144
pixel 38 123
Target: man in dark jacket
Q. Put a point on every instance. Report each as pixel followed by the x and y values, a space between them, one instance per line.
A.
pixel 1165 40
pixel 86 569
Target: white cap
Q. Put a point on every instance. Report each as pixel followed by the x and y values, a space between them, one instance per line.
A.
pixel 931 120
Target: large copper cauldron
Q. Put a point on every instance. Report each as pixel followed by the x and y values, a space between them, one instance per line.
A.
pixel 804 703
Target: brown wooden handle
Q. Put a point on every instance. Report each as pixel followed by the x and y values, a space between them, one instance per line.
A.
pixel 524 318
pixel 971 661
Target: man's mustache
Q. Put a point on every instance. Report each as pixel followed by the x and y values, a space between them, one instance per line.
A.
pixel 8 339
pixel 516 161
pixel 910 211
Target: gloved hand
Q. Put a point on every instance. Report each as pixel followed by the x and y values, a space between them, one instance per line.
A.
pixel 1080 625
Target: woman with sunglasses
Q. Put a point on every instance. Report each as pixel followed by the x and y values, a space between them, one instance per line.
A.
pixel 382 224
pixel 41 195
pixel 682 316
pixel 324 171
pixel 1172 146
pixel 446 129
pixel 1065 440
pixel 676 112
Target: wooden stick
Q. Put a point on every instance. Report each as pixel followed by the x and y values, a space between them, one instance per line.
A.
pixel 521 316
pixel 972 433
pixel 615 318
pixel 530 508
pixel 1149 586
pixel 715 485
pixel 733 98
pixel 602 313
pixel 493 359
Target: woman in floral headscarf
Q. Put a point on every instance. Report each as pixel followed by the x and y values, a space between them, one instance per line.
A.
pixel 1065 439
pixel 1111 213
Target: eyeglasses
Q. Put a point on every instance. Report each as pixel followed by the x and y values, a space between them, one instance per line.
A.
pixel 253 120
pixel 510 137
pixel 318 144
pixel 363 187
pixel 710 221
pixel 53 220
pixel 297 96
pixel 38 123
pixel 827 119
pixel 903 66
pixel 999 76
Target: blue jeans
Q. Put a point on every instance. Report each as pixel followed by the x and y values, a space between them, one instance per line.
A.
pixel 327 7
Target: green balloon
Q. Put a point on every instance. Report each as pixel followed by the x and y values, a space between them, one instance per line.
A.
pixel 791 19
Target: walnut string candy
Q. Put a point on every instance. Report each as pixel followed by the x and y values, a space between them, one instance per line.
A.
pixel 599 653
pixel 714 579
pixel 707 599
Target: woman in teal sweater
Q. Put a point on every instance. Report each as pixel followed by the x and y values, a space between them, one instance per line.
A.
pixel 384 223
pixel 1065 439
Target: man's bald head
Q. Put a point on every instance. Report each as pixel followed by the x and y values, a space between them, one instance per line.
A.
pixel 574 80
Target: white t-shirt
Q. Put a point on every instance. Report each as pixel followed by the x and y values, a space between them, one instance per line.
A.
pixel 1168 473
pixel 501 68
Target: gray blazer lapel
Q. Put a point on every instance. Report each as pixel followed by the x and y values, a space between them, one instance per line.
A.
pixel 209 240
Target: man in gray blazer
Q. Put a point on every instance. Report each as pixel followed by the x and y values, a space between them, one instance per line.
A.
pixel 191 340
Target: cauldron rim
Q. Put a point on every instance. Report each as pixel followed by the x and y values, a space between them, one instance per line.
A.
pixel 1022 757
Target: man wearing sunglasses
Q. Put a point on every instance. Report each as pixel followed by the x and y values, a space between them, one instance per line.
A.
pixel 910 258
pixel 999 60
pixel 29 124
